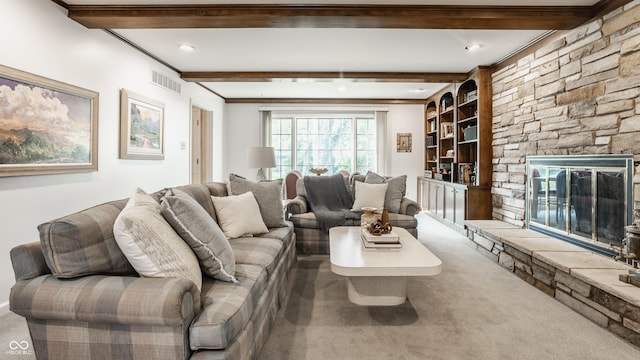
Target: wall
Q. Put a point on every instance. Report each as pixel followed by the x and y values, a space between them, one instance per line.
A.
pixel 243 127
pixel 578 94
pixel 39 38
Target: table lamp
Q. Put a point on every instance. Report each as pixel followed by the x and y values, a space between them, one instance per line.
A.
pixel 261 158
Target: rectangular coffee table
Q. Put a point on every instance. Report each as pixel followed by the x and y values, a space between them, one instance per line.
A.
pixel 379 277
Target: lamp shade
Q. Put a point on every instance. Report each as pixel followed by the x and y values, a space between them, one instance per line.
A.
pixel 261 157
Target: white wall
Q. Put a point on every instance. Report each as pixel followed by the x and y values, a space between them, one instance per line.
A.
pixel 37 37
pixel 243 121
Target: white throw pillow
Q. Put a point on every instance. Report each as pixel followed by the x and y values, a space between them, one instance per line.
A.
pixel 151 245
pixel 369 195
pixel 239 215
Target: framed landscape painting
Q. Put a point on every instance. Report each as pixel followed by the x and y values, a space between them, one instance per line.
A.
pixel 46 126
pixel 141 127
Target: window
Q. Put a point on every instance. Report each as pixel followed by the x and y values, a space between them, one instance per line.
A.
pixel 336 142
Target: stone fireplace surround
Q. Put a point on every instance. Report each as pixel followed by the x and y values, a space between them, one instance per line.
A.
pixel 586 282
pixel 577 93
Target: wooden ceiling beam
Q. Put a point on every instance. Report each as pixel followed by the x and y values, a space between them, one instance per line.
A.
pixel 266 76
pixel 330 16
pixel 334 101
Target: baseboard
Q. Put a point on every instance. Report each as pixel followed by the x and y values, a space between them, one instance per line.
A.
pixel 4 308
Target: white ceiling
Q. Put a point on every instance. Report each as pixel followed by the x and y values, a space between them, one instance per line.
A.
pixel 330 50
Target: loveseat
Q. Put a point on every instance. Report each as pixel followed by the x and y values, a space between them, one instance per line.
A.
pixel 83 299
pixel 312 239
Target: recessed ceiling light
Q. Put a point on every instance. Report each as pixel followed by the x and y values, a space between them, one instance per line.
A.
pixel 472 47
pixel 420 90
pixel 187 47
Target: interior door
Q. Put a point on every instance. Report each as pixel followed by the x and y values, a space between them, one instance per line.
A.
pixel 200 144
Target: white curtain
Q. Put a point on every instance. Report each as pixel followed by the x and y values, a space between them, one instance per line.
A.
pixel 265 128
pixel 381 134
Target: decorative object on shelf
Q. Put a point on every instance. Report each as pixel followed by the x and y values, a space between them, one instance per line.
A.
pixel 318 171
pixel 447 130
pixel 368 217
pixel 465 170
pixel 428 174
pixel 404 142
pixel 450 153
pixel 141 127
pixel 431 140
pixel 471 133
pixel 51 127
pixel 470 96
pixel 630 250
pixel 261 158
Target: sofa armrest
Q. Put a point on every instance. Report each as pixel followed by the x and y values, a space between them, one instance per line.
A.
pixel 125 300
pixel 409 207
pixel 297 205
pixel 28 261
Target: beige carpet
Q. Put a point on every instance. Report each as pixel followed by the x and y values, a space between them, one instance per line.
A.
pixel 473 310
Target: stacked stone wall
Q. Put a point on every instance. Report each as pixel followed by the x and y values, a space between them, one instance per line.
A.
pixel 578 94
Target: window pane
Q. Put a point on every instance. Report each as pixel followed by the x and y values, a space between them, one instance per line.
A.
pixel 325 142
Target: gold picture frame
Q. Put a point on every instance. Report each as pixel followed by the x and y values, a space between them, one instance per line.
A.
pixel 46 126
pixel 404 142
pixel 141 127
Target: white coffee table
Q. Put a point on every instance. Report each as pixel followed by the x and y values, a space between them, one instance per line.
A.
pixel 379 277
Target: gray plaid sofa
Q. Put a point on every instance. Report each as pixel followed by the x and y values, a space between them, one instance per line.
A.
pixel 310 239
pixel 107 312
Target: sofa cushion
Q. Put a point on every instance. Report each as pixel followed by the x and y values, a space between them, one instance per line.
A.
pixel 226 308
pixel 239 215
pixel 284 234
pixel 308 221
pixel 83 243
pixel 150 244
pixel 198 229
pixel 265 252
pixel 369 195
pixel 396 190
pixel 268 195
pixel 201 194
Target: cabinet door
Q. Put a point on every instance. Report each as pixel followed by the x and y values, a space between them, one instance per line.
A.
pixel 460 197
pixel 423 193
pixel 434 200
pixel 449 203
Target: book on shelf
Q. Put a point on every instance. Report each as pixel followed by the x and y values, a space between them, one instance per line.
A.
pixel 380 246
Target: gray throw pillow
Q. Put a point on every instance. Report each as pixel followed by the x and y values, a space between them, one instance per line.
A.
pixel 268 194
pixel 198 229
pixel 396 189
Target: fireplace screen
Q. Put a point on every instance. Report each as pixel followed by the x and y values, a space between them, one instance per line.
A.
pixel 582 199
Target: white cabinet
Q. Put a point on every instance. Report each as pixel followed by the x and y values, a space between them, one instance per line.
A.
pixel 453 203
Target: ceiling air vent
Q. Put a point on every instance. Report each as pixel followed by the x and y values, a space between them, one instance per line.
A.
pixel 165 82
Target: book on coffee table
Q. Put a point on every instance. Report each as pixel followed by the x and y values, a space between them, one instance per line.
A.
pixel 380 246
pixel 380 239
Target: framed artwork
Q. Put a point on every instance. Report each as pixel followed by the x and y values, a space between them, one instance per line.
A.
pixel 46 126
pixel 141 127
pixel 447 130
pixel 404 142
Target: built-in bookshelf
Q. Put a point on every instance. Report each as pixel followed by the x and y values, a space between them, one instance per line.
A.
pixel 431 138
pixel 458 153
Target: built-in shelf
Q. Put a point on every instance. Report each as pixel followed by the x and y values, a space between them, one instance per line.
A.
pixel 458 124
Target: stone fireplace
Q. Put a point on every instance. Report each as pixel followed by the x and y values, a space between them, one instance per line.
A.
pixel 586 200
